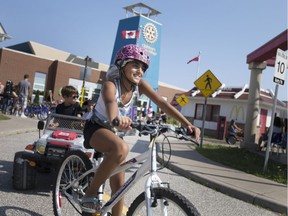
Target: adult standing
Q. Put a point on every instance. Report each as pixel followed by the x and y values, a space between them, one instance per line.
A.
pixel 23 89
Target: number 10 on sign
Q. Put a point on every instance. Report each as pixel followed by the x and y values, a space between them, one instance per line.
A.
pixel 280 67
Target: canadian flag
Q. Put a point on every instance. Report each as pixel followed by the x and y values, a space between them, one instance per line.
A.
pixel 131 34
pixel 194 59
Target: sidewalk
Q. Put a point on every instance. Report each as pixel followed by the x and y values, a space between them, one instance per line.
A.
pixel 186 161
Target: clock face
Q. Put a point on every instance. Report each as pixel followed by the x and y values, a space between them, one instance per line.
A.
pixel 150 33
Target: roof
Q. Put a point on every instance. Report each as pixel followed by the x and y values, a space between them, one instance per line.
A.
pixel 47 52
pixel 149 11
pixel 267 52
pixel 234 93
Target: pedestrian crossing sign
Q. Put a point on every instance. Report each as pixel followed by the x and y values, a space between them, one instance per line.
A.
pixel 207 83
pixel 182 100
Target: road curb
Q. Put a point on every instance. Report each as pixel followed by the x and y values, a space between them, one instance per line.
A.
pixel 255 199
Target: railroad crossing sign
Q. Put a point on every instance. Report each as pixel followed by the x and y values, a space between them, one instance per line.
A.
pixel 207 83
pixel 280 67
pixel 182 100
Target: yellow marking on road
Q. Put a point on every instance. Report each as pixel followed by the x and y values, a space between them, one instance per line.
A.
pixel 106 198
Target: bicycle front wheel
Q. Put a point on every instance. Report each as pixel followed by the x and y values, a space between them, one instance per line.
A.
pixel 66 198
pixel 164 201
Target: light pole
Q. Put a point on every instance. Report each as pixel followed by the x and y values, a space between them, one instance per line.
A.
pixel 84 77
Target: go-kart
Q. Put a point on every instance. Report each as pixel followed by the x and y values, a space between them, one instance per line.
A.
pixel 61 133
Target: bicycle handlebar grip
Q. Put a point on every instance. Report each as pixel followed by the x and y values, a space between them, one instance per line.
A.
pixel 136 124
pixel 115 122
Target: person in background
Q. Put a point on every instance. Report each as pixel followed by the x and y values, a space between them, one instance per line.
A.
pixel 15 105
pixel 149 113
pixel 234 128
pixel 1 93
pixel 1 88
pixel 144 113
pixel 23 90
pixel 7 100
pixel 69 106
pixel 276 134
pixel 163 117
pixel 118 95
pixel 89 108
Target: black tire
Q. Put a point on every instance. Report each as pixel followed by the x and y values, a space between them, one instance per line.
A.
pixel 74 164
pixel 24 175
pixel 177 204
pixel 231 140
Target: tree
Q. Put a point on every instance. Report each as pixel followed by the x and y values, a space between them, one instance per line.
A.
pixel 37 98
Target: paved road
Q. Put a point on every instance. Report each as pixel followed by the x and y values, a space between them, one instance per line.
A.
pixel 39 201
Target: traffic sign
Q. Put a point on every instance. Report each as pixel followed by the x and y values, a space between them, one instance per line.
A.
pixel 280 67
pixel 182 100
pixel 207 83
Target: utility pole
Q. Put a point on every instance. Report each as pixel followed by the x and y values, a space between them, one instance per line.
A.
pixel 84 77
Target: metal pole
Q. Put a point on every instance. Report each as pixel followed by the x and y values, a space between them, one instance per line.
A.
pixel 203 122
pixel 270 129
pixel 83 84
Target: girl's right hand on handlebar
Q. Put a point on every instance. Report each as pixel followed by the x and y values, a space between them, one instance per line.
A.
pixel 122 123
pixel 195 131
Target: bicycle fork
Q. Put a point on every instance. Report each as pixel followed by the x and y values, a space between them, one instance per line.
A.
pixel 152 182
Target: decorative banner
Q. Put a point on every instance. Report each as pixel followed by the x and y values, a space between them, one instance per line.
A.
pixel 182 100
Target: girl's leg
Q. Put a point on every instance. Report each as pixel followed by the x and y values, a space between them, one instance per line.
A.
pixel 116 182
pixel 115 151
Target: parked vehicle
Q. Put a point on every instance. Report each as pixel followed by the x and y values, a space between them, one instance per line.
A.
pixel 46 153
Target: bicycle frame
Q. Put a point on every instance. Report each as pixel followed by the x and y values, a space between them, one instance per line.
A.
pixel 148 160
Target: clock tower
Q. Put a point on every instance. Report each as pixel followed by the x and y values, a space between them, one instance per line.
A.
pixel 141 28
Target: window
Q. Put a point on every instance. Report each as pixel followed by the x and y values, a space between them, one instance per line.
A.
pixel 39 83
pixel 212 112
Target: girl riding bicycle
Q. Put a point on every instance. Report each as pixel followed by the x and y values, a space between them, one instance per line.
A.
pixel 124 84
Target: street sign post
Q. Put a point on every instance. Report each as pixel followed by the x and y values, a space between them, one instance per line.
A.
pixel 279 78
pixel 207 84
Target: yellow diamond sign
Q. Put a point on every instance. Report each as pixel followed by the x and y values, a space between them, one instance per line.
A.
pixel 182 100
pixel 207 83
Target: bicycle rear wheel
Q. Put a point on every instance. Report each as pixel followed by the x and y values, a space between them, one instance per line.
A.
pixel 66 200
pixel 164 202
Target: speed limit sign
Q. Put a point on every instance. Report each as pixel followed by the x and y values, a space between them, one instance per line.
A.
pixel 280 67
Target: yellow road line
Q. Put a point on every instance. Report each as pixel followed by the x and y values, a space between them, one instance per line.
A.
pixel 106 198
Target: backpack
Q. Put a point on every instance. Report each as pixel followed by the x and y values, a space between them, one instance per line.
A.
pixel 8 88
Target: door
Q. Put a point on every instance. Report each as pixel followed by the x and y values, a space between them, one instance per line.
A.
pixel 262 122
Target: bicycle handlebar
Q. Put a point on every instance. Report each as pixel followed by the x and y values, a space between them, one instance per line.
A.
pixel 147 129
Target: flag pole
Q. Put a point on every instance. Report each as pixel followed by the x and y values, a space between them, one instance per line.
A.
pixel 198 66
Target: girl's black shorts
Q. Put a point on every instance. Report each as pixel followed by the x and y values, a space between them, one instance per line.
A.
pixel 89 129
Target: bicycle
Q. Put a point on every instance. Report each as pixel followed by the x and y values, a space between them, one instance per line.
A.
pixel 77 170
pixel 41 111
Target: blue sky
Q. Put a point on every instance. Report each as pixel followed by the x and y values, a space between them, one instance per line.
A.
pixel 224 31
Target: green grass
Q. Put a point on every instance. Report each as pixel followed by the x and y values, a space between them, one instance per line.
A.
pixel 246 161
pixel 3 117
